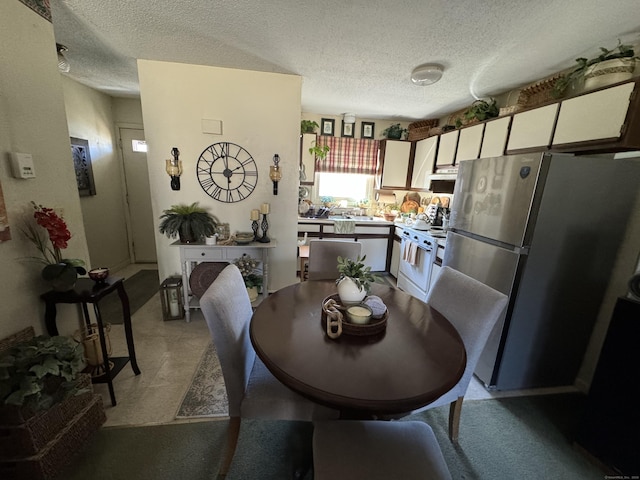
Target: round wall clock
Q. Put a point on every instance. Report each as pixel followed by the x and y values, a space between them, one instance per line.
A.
pixel 227 172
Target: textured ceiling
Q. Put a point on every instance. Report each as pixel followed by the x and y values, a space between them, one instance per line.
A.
pixel 353 55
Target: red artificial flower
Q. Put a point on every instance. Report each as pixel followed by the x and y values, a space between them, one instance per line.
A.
pixel 56 227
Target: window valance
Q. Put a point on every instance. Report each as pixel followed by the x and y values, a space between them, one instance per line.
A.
pixel 348 155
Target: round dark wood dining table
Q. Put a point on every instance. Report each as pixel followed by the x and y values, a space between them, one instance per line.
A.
pixel 417 358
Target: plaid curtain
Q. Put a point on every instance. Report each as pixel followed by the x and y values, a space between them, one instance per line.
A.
pixel 348 155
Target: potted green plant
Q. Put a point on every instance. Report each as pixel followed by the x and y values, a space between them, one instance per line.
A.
pixel 355 279
pixel 308 126
pixel 612 65
pixel 37 373
pixel 191 223
pixel 394 132
pixel 478 111
pixel 320 152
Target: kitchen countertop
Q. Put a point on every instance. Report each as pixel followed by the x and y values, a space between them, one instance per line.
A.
pixel 360 220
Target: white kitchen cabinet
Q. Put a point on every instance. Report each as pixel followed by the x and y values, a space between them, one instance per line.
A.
pixel 394 156
pixel 533 128
pixel 447 149
pixel 595 116
pixel 435 272
pixel 494 141
pixel 469 143
pixel 423 161
pixel 307 160
pixel 395 258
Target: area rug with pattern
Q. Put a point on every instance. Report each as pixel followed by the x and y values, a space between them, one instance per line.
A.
pixel 206 396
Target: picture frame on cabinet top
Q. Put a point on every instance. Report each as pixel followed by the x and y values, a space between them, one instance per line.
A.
pixel 367 129
pixel 327 126
pixel 347 129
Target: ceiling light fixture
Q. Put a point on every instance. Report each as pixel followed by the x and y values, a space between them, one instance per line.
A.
pixel 63 64
pixel 349 118
pixel 426 74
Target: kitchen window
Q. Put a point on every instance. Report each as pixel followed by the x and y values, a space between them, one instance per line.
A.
pixel 345 186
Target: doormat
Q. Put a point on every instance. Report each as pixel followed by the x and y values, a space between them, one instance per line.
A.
pixel 140 288
pixel 207 395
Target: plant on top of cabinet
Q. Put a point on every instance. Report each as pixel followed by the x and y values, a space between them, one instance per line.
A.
pixel 479 110
pixel 619 60
pixel 394 132
pixel 308 126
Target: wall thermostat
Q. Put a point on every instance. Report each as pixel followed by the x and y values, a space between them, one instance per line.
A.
pixel 22 165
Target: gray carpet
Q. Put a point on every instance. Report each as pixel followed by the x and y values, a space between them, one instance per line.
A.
pixel 140 287
pixel 523 438
pixel 206 396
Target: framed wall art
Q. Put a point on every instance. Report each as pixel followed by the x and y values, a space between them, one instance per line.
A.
pixel 367 129
pixel 327 126
pixel 347 129
pixel 82 165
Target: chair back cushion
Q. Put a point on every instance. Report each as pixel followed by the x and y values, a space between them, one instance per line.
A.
pixel 473 308
pixel 323 257
pixel 227 311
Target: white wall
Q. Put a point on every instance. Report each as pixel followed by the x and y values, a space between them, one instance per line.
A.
pixel 32 120
pixel 259 111
pixel 90 117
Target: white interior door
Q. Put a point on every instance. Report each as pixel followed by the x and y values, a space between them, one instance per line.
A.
pixel 138 197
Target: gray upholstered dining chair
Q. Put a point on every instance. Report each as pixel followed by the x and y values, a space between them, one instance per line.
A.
pixel 376 450
pixel 323 255
pixel 473 308
pixel 252 391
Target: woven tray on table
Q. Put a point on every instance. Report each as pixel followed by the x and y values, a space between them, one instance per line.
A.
pixel 374 327
pixel 420 129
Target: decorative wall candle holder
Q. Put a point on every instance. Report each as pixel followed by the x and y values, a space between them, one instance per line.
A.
pixel 254 227
pixel 265 226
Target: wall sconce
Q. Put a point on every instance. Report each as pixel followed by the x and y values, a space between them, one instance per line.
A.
pixel 275 174
pixel 174 169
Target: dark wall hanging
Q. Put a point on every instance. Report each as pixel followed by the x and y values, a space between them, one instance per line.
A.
pixel 82 166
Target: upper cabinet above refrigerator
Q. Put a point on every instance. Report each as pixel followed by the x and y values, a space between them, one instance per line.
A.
pixel 596 117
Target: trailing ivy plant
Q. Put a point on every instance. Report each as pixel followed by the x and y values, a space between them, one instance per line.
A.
pixel 320 152
pixel 40 372
pixel 619 51
pixel 479 110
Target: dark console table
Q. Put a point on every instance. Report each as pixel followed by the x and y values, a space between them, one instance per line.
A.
pixel 87 291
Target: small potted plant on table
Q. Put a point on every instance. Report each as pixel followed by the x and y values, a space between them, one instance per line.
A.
pixel 354 282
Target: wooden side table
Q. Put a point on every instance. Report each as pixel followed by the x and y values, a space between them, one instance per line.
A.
pixel 87 291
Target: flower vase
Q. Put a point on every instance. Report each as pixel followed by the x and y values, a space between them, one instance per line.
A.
pixel 349 292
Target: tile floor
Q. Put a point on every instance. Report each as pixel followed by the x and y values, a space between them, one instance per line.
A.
pixel 168 353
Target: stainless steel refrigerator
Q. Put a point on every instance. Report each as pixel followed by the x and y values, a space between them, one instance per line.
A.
pixel 545 230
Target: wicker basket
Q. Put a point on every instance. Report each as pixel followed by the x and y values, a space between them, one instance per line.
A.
pixel 420 129
pixel 59 452
pixel 539 92
pixel 21 438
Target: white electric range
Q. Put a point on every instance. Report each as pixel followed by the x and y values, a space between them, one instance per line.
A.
pixel 421 253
